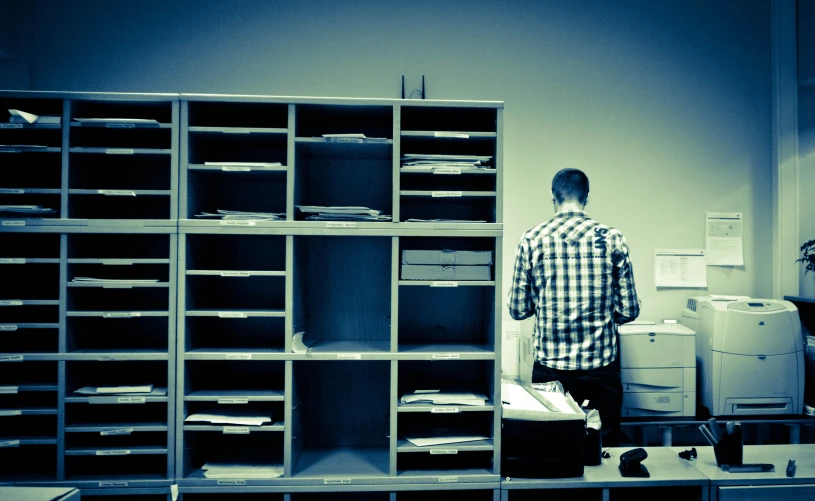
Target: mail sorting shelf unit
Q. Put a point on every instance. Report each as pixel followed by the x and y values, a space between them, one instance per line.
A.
pixel 231 345
pixel 112 157
pixel 234 156
pixel 450 191
pixel 120 331
pixel 31 300
pixel 446 340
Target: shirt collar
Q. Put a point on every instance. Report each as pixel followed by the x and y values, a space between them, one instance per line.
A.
pixel 568 214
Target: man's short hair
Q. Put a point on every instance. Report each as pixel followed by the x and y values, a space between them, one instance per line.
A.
pixel 570 184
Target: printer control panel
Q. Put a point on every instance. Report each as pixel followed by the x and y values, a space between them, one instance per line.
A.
pixel 756 306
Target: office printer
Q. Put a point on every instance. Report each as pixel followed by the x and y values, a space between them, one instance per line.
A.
pixel 658 370
pixel 750 355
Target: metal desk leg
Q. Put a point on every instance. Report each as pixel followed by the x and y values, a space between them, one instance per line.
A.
pixel 667 436
pixel 795 433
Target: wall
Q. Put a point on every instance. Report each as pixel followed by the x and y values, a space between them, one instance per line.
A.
pixel 806 134
pixel 15 45
pixel 665 105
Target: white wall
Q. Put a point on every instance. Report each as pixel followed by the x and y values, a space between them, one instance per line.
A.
pixel 806 135
pixel 665 104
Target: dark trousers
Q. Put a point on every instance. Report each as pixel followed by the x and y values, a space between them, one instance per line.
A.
pixel 601 387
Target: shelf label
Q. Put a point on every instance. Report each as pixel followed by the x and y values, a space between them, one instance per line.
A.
pixel 119 431
pixel 445 194
pixel 445 410
pixel 336 481
pixel 110 125
pixel 445 356
pixel 10 443
pixel 236 430
pixel 7 412
pixel 121 314
pixel 447 170
pixel 117 262
pixel 349 356
pixel 239 356
pixel 117 193
pixel 457 135
pixel 448 479
pixel 106 358
pixel 112 484
pixel 9 390
pixel 444 284
pixel 11 126
pixel 434 452
pixel 231 482
pixel 236 223
pixel 12 358
pixel 235 274
pixel 11 302
pixel 231 314
pixel 13 223
pixel 12 191
pixel 9 150
pixel 119 151
pixel 226 168
pixel 12 260
pixel 233 400
pixel 113 452
pixel 341 224
pixel 8 327
pixel 131 400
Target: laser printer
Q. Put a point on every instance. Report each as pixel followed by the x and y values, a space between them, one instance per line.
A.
pixel 657 369
pixel 750 355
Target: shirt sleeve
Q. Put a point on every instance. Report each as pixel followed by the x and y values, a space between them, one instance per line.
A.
pixel 626 303
pixel 521 302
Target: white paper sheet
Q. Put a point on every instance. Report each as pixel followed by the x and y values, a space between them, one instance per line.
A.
pixel 724 244
pixel 680 268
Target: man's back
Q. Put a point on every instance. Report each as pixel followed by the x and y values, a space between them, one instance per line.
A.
pixel 576 274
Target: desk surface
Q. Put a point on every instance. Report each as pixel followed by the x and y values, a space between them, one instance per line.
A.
pixel 664 465
pixel 778 455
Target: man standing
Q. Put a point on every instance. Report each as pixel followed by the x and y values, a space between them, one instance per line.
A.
pixel 574 274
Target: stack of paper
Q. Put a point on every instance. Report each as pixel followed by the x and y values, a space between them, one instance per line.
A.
pixel 422 162
pixel 414 220
pixel 134 121
pixel 438 397
pixel 247 165
pixel 115 280
pixel 236 418
pixel 244 215
pixel 342 213
pixel 353 138
pixel 21 117
pixel 242 470
pixel 145 389
pixel 443 436
pixel 26 209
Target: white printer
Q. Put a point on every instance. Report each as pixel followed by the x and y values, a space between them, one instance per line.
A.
pixel 750 355
pixel 658 370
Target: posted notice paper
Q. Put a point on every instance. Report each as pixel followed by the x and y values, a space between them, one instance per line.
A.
pixel 680 268
pixel 724 246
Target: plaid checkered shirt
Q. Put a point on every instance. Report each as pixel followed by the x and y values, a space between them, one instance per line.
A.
pixel 576 276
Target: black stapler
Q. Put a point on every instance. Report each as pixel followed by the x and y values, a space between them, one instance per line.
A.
pixel 631 463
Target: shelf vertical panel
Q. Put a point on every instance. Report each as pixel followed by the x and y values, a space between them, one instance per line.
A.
pixel 175 140
pixel 290 161
pixel 498 335
pixel 397 163
pixel 499 167
pixel 181 333
pixel 393 414
pixel 172 355
pixel 184 160
pixel 64 157
pixel 61 384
